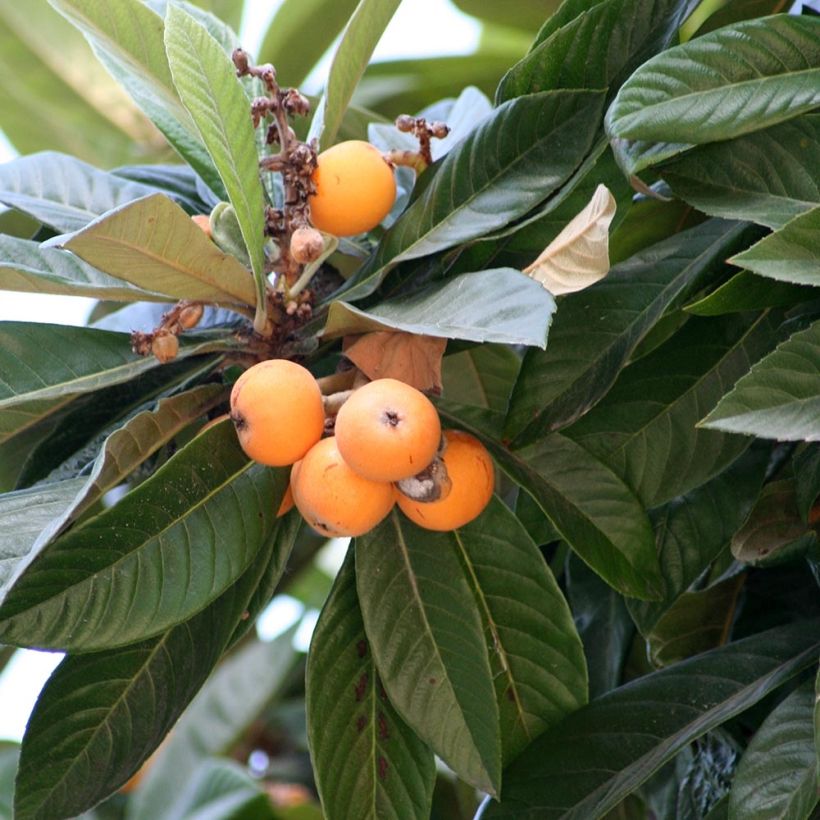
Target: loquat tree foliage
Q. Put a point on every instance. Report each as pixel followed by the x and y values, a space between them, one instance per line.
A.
pixel 594 244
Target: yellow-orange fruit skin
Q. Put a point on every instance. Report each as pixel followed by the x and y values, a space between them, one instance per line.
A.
pixel 204 222
pixel 287 503
pixel 470 468
pixel 277 409
pixel 355 189
pixel 388 430
pixel 334 499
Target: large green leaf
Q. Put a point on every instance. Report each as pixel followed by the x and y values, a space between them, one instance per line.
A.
pixel 727 83
pixel 791 254
pixel 101 715
pixel 482 376
pixel 588 763
pixel 28 267
pixel 160 555
pixel 497 305
pixel 233 697
pixel 62 191
pixel 368 762
pixel 780 397
pixel 536 656
pixel 427 637
pixel 206 81
pixel 360 37
pixel 597 49
pixel 777 775
pixel 127 37
pixel 646 429
pixel 64 100
pixel 42 361
pixel 515 159
pixel 747 291
pixel 153 243
pixel 313 24
pixel 807 478
pixel 596 329
pixel 603 622
pixel 785 181
pixel 691 531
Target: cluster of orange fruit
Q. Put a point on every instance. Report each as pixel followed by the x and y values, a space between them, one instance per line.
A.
pixel 385 434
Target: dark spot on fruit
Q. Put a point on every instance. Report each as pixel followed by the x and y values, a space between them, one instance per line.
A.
pixel 238 421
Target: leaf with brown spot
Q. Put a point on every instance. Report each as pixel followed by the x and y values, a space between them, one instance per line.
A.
pixel 413 359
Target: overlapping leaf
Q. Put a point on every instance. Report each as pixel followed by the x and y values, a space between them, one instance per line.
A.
pixel 368 762
pixel 768 177
pixel 780 397
pixel 588 763
pixel 63 192
pixel 153 243
pixel 427 638
pixel 727 83
pixel 482 376
pixel 777 775
pixel 646 429
pixel 206 81
pixel 596 330
pixel 160 555
pixel 497 305
pixel 748 291
pixel 107 711
pixel 127 37
pixel 509 164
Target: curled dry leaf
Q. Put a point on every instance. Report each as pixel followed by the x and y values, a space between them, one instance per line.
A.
pixel 408 357
pixel 579 256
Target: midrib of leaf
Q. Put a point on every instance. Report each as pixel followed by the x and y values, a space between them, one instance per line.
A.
pixel 668 409
pixel 35 419
pixel 152 537
pixel 498 645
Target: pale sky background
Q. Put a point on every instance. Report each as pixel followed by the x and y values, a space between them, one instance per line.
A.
pixel 409 34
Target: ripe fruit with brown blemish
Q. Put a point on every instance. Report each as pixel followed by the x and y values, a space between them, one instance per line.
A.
pixel 355 189
pixel 388 430
pixel 332 498
pixel 306 245
pixel 470 470
pixel 276 407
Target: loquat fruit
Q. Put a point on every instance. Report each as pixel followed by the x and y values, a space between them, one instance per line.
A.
pixel 306 245
pixel 203 221
pixel 287 503
pixel 276 407
pixel 332 498
pixel 388 430
pixel 470 470
pixel 355 189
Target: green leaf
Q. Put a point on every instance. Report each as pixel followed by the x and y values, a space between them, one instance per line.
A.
pixel 696 622
pixel 536 656
pixel 604 625
pixel 596 330
pixel 101 715
pixel 314 24
pixel 742 78
pixel 599 48
pixel 807 479
pixel 64 192
pixel 500 305
pixel 27 267
pixel 691 531
pixel 791 254
pixel 777 775
pixel 233 697
pixel 747 291
pixel 208 86
pixel 163 553
pixel 482 376
pixel 588 763
pixel 426 635
pixel 125 449
pixel 646 429
pixel 780 397
pixel 774 531
pixel 736 10
pixel 515 159
pixel 367 761
pixel 9 759
pixel 785 182
pixel 127 37
pixel 360 37
pixel 42 361
pixel 153 243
